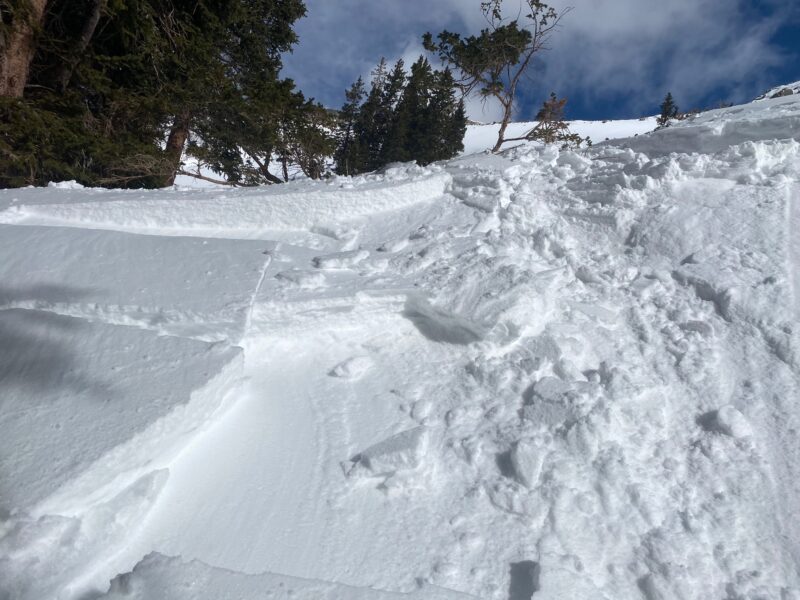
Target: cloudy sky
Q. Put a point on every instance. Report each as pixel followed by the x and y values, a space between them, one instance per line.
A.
pixel 611 58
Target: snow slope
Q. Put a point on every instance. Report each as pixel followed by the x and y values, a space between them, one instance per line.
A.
pixel 480 137
pixel 542 374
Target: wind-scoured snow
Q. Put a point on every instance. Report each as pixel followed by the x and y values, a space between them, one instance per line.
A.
pixel 543 374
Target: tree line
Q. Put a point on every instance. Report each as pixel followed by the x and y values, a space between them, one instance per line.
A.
pixel 112 92
pixel 402 117
pixel 116 93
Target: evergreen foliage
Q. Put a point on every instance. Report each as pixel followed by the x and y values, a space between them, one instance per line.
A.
pixel 494 62
pixel 552 128
pixel 404 117
pixel 348 154
pixel 669 111
pixel 117 89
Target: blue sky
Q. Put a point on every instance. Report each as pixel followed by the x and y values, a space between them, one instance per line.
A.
pixel 611 58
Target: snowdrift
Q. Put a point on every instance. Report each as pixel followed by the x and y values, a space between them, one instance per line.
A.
pixel 542 374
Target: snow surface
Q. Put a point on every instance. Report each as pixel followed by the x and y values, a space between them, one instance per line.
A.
pixel 161 577
pixel 542 374
pixel 480 137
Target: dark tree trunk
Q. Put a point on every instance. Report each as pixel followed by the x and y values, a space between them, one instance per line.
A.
pixel 501 134
pixel 17 49
pixel 175 143
pixel 263 166
pixel 67 68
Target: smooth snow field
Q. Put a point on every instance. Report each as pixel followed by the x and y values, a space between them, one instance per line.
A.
pixel 544 374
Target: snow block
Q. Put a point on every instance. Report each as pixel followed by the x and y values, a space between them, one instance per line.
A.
pixel 181 286
pixel 730 421
pixel 554 402
pixel 439 325
pixel 352 368
pixel 158 576
pixel 399 452
pixel 85 407
pixel 340 260
pixel 527 459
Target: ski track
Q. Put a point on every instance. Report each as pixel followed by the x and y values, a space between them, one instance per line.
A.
pixel 545 376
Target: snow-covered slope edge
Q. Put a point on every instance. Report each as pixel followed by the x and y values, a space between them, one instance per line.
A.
pixel 161 577
pixel 244 214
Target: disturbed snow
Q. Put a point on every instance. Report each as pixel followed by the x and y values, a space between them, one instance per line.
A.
pixel 544 374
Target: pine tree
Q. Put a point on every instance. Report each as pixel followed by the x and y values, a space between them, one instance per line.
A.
pixel 410 135
pixel 669 111
pixel 304 138
pixel 111 81
pixel 247 88
pixel 449 118
pixel 551 128
pixel 348 148
pixel 390 96
pixel 494 62
pixel 405 117
pixel 371 125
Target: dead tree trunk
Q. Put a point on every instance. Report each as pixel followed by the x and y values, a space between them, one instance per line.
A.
pixel 17 49
pixel 65 71
pixel 175 143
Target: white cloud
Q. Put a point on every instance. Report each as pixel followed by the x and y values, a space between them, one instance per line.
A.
pixel 691 47
pixel 483 110
pixel 631 51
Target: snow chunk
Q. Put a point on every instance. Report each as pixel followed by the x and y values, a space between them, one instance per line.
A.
pixel 399 452
pixel 554 402
pixel 65 185
pixel 439 325
pixel 527 459
pixel 340 260
pixel 352 368
pixel 730 421
pixel 550 389
pixel 158 576
pixel 302 278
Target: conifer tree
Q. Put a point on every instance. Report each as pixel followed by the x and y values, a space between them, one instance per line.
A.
pixel 449 118
pixel 111 81
pixel 669 111
pixel 494 62
pixel 551 128
pixel 403 118
pixel 410 136
pixel 371 124
pixel 390 96
pixel 348 149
